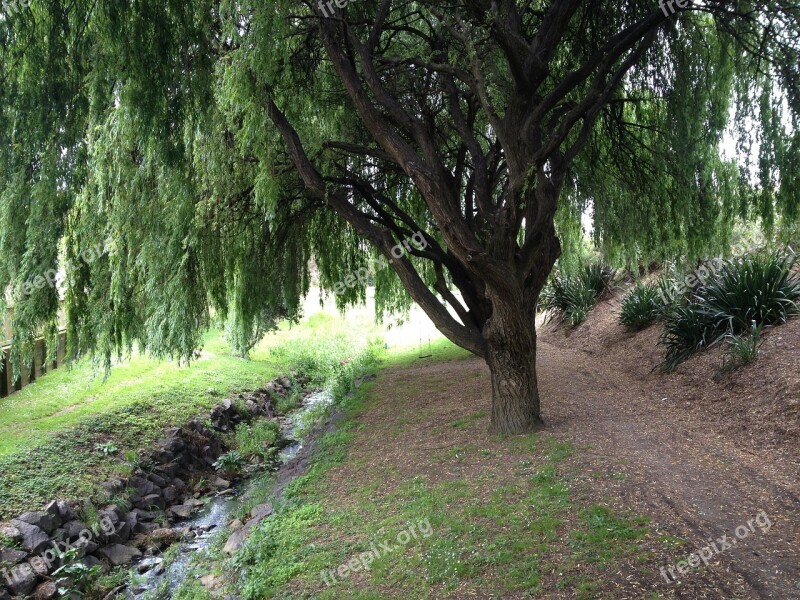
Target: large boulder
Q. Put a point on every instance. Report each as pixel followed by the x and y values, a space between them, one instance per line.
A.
pixel 119 555
pixel 34 539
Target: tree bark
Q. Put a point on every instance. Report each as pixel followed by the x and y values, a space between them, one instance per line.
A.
pixel 511 355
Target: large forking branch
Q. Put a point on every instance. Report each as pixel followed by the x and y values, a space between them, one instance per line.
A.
pixel 466 335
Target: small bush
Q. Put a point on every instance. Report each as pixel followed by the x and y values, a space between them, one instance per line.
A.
pixel 641 307
pixel 231 462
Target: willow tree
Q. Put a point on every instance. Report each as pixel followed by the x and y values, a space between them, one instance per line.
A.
pixel 214 149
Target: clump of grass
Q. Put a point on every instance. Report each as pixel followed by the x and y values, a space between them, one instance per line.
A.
pixel 569 298
pixel 759 288
pixel 641 307
pixel 743 350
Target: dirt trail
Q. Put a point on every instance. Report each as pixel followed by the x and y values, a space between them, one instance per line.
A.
pixel 690 465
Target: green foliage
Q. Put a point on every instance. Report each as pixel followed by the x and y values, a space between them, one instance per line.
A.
pixel 74 577
pixel 641 306
pixel 570 297
pixel 106 448
pixel 759 288
pixel 257 439
pixel 231 462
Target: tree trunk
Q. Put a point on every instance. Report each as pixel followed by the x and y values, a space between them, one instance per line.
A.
pixel 511 356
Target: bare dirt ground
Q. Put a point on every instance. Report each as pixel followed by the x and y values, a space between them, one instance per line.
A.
pixel 700 456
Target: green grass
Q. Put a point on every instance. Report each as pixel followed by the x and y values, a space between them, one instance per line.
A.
pixel 55 435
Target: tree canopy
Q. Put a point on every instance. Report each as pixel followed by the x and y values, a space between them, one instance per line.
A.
pixel 217 151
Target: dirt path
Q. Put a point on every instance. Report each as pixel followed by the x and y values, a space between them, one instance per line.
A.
pixel 693 468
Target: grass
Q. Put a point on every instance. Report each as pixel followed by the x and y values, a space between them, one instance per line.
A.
pixel 71 430
pixel 504 535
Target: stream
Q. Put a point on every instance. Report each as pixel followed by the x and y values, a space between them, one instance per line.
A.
pixel 209 524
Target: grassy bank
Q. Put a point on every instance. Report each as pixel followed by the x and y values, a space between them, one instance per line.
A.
pixel 72 429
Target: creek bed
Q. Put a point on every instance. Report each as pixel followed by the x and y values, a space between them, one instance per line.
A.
pixel 207 526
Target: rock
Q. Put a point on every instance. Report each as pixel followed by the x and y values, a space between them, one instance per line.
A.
pixel 21 580
pixel 148 564
pixel 170 494
pixel 151 501
pixel 113 486
pixel 122 533
pixel 52 508
pixel 46 591
pixel 145 528
pixel 181 511
pixel 144 487
pixel 66 512
pixel 221 484
pixel 119 555
pixel 45 521
pixel 144 516
pixel 236 541
pixel 211 582
pixel 157 479
pixel 261 512
pixel 12 557
pixel 91 561
pixel 4 595
pixel 74 528
pixel 235 525
pixel 34 539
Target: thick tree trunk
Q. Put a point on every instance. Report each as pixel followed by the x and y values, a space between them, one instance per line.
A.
pixel 511 356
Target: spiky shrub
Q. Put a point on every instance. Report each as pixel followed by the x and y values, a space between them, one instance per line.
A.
pixel 570 298
pixel 599 277
pixel 758 289
pixel 688 328
pixel 641 307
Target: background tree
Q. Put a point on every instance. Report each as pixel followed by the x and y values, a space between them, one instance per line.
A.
pixel 214 148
